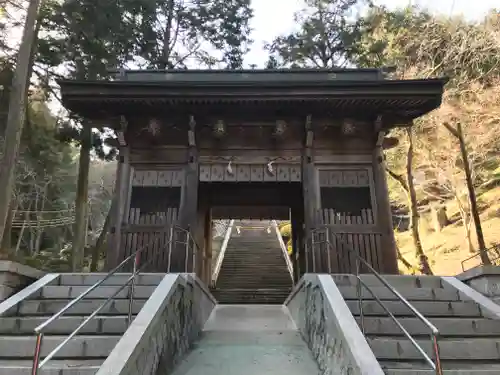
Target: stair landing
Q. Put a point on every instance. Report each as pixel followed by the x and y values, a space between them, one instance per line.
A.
pixel 249 340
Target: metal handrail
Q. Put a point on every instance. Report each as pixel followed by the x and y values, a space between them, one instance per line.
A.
pixel 222 252
pixel 494 250
pixel 436 364
pixel 39 330
pixel 283 249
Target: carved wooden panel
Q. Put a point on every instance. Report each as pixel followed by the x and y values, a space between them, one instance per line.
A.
pixel 217 173
pixel 363 178
pixel 257 173
pixel 205 173
pixel 243 173
pixel 344 177
pixel 165 178
pixel 250 172
pixel 270 175
pixel 150 178
pixel 283 173
pixel 295 173
pixel 177 177
pixel 138 178
pixel 230 174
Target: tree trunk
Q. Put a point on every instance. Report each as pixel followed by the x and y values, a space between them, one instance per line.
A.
pixel 7 234
pixel 81 199
pixel 414 215
pixel 167 36
pixel 403 260
pixel 17 111
pixel 458 133
pixel 466 223
pixel 101 242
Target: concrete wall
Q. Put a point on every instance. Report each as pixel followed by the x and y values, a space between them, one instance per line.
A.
pixel 329 329
pixel 14 277
pixel 485 280
pixel 164 330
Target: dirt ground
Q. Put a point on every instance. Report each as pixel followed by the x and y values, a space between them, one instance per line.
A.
pixel 447 249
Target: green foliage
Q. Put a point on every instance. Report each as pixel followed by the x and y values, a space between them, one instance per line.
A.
pixel 326 37
pixel 286 230
pixel 86 39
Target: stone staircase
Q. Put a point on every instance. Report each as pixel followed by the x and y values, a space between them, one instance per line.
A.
pixel 469 343
pixel 254 270
pixel 84 354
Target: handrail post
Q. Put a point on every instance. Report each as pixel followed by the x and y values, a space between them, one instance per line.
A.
pixel 313 255
pixel 194 248
pixel 186 259
pixel 437 356
pixel 327 249
pixel 359 292
pixel 171 241
pixel 38 352
pixel 132 287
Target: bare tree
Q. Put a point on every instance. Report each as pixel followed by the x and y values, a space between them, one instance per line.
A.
pixel 17 111
pixel 408 185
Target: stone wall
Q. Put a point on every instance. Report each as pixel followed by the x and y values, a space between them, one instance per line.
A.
pixel 164 330
pixel 15 277
pixel 329 329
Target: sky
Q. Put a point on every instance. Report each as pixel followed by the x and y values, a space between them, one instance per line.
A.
pixel 275 17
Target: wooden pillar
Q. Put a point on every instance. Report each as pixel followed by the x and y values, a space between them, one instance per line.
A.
pixel 188 211
pixel 120 198
pixel 310 186
pixel 383 210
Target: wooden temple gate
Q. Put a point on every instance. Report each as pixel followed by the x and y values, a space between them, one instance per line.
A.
pixel 201 145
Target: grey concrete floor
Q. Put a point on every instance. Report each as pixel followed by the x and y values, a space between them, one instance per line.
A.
pixel 249 340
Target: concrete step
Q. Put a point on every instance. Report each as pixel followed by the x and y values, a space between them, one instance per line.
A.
pixel 100 325
pixel 411 294
pixel 249 284
pixel 427 308
pixel 117 279
pixel 85 307
pixel 456 327
pixel 397 281
pixel 228 279
pixel 264 261
pixel 449 368
pixel 248 296
pixel 12 347
pixel 398 349
pixel 285 280
pixel 252 286
pixel 54 367
pixel 103 292
pixel 253 259
pixel 265 269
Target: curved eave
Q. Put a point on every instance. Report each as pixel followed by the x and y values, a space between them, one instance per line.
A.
pixel 406 99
